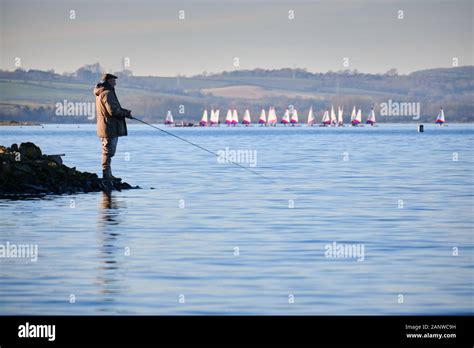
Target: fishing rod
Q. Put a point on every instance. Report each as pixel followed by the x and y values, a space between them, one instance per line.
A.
pixel 199 147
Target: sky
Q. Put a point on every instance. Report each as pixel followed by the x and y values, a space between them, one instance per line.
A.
pixel 366 35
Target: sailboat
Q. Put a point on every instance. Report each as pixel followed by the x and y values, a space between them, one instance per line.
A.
pixel 371 118
pixel 440 120
pixel 235 117
pixel 353 114
pixel 272 117
pixel 326 121
pixel 228 118
pixel 311 116
pixel 246 120
pixel 340 118
pixel 203 121
pixel 356 118
pixel 214 117
pixel 294 117
pixel 263 118
pixel 333 116
pixel 286 117
pixel 169 118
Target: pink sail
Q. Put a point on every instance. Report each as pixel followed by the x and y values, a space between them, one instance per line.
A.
pixel 440 118
pixel 371 117
pixel 235 117
pixel 246 120
pixel 294 117
pixel 169 118
pixel 228 118
pixel 326 120
pixel 203 121
pixel 263 117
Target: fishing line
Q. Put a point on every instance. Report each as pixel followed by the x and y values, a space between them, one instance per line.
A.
pixel 200 147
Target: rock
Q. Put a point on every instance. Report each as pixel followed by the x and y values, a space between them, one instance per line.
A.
pixel 30 150
pixel 35 174
pixel 55 158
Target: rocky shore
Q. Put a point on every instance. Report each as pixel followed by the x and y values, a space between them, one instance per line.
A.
pixel 25 170
pixel 17 123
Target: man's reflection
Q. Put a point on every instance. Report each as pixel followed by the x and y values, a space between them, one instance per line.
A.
pixel 110 250
pixel 108 211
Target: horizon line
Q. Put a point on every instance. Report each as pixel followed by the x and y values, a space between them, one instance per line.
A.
pixel 178 75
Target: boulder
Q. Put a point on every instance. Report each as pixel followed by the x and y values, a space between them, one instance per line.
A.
pixel 30 150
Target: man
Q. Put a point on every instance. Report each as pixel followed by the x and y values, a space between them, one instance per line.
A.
pixel 110 121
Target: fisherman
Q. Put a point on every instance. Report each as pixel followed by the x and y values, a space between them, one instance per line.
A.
pixel 110 121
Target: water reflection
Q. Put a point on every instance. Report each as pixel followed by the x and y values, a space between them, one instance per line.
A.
pixel 108 211
pixel 108 277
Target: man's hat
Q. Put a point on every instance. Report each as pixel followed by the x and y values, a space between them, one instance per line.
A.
pixel 105 77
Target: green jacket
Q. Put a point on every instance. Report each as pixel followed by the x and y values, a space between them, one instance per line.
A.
pixel 110 115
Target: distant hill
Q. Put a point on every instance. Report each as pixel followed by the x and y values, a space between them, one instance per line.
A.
pixel 32 95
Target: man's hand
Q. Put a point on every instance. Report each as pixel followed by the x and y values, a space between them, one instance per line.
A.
pixel 129 114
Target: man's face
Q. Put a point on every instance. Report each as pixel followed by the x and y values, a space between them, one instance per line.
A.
pixel 112 82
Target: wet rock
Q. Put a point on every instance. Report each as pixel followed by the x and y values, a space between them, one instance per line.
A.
pixel 35 174
pixel 55 158
pixel 30 150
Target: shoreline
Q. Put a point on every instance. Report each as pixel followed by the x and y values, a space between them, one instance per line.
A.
pixel 19 123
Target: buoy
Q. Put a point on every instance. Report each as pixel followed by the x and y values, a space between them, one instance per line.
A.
pixel 421 128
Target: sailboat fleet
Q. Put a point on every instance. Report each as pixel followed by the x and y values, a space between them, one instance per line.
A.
pixel 290 117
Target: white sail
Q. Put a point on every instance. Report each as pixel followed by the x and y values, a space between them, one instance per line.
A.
pixel 246 119
pixel 204 118
pixel 228 118
pixel 326 119
pixel 371 117
pixel 294 116
pixel 286 117
pixel 169 118
pixel 272 117
pixel 359 116
pixel 340 118
pixel 263 117
pixel 235 117
pixel 353 114
pixel 310 116
pixel 214 119
pixel 333 116
pixel 440 117
pixel 211 118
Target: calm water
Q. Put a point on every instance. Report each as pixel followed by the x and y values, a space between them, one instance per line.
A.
pixel 182 228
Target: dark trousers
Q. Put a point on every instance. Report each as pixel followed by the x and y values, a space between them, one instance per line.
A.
pixel 109 146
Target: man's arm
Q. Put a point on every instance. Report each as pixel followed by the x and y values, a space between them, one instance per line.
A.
pixel 113 107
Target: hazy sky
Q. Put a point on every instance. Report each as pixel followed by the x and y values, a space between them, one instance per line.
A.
pixel 259 33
